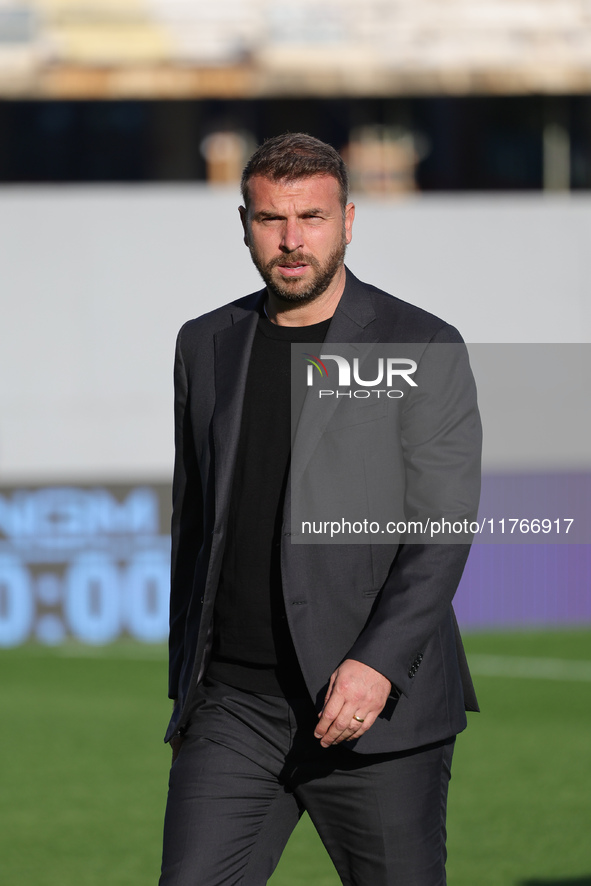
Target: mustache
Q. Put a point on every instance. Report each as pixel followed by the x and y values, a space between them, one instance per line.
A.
pixel 293 257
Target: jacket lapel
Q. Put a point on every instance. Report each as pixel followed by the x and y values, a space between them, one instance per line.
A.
pixel 232 347
pixel 350 324
pixel 354 315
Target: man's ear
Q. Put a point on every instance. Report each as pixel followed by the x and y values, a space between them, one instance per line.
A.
pixel 244 220
pixel 349 219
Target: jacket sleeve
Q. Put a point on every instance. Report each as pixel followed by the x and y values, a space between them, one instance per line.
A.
pixel 441 441
pixel 187 520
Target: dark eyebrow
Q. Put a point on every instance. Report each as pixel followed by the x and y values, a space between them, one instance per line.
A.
pixel 267 213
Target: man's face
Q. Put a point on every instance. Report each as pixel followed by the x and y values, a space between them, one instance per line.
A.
pixel 297 234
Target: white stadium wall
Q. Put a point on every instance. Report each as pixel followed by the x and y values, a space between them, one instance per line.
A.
pixel 95 282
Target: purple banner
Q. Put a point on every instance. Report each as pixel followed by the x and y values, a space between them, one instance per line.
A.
pixel 524 585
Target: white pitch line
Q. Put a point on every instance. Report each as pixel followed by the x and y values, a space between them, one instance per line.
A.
pixel 481 665
pixel 530 668
pixel 121 653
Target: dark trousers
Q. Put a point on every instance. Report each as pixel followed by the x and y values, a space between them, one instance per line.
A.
pixel 249 766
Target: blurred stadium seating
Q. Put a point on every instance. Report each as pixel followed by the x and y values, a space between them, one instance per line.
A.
pixel 316 47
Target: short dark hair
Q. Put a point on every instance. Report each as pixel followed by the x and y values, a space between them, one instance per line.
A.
pixel 292 156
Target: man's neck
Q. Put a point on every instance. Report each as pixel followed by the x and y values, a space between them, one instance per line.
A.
pixel 322 308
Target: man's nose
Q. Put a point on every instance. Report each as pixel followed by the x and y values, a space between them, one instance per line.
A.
pixel 291 236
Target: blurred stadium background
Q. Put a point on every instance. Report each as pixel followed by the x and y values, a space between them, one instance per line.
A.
pixel 124 125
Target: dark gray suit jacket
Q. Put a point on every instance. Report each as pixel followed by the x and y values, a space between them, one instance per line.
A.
pixel 388 606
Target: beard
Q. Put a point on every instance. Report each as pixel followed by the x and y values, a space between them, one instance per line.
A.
pixel 294 290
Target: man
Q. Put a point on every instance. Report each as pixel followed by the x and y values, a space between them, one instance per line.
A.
pixel 325 678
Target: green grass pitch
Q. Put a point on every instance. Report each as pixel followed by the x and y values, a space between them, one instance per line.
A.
pixel 83 769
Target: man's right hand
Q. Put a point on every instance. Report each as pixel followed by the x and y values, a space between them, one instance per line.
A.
pixel 176 743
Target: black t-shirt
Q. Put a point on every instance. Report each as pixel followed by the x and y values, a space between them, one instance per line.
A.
pixel 252 646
